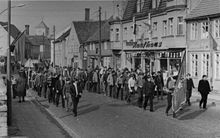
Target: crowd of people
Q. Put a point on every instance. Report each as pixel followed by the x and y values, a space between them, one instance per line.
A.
pixel 68 85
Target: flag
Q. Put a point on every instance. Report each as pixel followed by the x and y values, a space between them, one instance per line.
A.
pixel 214 44
pixel 134 26
pixel 179 92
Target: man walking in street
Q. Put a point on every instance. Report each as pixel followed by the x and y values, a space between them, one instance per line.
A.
pixel 59 91
pixel 148 93
pixel 204 89
pixel 76 92
pixel 189 87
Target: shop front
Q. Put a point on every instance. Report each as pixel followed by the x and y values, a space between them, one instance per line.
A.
pixel 153 57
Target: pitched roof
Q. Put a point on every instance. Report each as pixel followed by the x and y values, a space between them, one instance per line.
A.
pixel 63 36
pixel 38 40
pixel 85 29
pixel 14 30
pixel 41 25
pixel 105 32
pixel 204 9
pixel 130 10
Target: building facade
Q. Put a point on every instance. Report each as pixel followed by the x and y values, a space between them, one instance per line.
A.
pixel 153 35
pixel 203 33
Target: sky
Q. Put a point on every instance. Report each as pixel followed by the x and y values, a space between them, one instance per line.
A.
pixel 54 12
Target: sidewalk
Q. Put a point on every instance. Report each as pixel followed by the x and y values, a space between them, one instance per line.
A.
pixel 104 117
pixel 28 120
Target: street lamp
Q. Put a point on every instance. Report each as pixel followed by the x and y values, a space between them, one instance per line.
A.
pixel 16 6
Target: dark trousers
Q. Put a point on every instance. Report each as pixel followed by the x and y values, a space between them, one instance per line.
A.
pixel 119 90
pixel 75 104
pixel 14 91
pixel 159 93
pixel 149 97
pixel 130 94
pixel 95 86
pixel 50 94
pixel 39 88
pixel 45 90
pixel 140 96
pixel 188 95
pixel 203 100
pixel 169 102
pixel 110 90
pixel 60 94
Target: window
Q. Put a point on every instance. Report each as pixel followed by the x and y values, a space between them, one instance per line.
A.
pixel 170 26
pixel 217 28
pixel 117 35
pixel 205 64
pixel 194 65
pixel 93 46
pixel 180 26
pixel 204 30
pixel 155 3
pixel 217 65
pixel 140 5
pixel 155 26
pixel 194 31
pixel 105 46
pixel 164 28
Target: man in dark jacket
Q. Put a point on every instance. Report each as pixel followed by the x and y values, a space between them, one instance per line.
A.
pixel 59 91
pixel 204 89
pixel 76 92
pixel 160 84
pixel 189 87
pixel 148 93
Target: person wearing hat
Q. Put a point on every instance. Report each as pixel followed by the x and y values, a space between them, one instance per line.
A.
pixel 148 92
pixel 59 89
pixel 204 89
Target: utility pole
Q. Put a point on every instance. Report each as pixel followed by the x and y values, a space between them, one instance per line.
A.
pixel 9 111
pixel 100 39
pixel 54 30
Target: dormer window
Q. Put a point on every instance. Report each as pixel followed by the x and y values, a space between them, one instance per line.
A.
pixel 155 4
pixel 140 5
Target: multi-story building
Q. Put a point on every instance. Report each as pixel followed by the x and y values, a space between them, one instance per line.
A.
pixel 152 35
pixel 203 39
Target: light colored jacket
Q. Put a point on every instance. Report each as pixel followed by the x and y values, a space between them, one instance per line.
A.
pixel 110 79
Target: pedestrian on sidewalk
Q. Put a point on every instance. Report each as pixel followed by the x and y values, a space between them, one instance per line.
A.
pixel 204 89
pixel 95 81
pixel 76 92
pixel 170 89
pixel 110 83
pixel 67 94
pixel 21 86
pixel 59 91
pixel 50 88
pixel 148 92
pixel 159 85
pixel 189 87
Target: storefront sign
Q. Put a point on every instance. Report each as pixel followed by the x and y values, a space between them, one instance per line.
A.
pixel 144 45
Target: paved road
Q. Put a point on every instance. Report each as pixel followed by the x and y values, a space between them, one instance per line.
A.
pixel 31 121
pixel 103 117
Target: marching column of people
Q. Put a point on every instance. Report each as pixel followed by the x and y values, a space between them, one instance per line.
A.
pixel 67 85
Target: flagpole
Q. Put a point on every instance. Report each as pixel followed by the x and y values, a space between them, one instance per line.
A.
pixel 211 53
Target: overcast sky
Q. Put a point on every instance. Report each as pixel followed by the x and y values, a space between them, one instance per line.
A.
pixel 54 12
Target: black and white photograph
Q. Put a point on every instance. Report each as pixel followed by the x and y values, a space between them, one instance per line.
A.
pixel 110 68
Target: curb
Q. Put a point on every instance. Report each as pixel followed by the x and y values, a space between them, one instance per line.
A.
pixel 59 122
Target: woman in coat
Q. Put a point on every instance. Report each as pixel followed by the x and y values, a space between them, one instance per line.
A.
pixel 21 86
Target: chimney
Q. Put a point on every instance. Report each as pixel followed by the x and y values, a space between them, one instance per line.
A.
pixel 87 14
pixel 27 29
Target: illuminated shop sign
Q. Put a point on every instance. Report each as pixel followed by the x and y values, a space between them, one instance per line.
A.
pixel 144 45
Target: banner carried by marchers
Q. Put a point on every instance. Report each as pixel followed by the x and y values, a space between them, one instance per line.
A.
pixel 179 93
